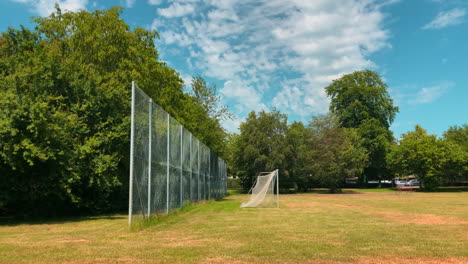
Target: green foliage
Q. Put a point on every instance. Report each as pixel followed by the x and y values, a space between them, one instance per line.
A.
pixel 455 168
pixel 64 110
pixel 360 100
pixel 233 183
pixel 203 113
pixel 209 99
pixel 337 152
pixel 261 147
pixel 420 154
pixel 298 155
pixel 458 135
pixel 377 140
pixel 360 96
pixel 322 153
pixel 232 143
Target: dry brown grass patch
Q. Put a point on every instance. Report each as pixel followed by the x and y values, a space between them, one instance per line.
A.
pixel 389 260
pixel 421 219
pixel 74 241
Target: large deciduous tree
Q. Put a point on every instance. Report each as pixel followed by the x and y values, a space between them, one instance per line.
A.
pixel 361 100
pixel 298 155
pixel 420 154
pixel 456 166
pixel 207 96
pixel 261 147
pixel 337 152
pixel 64 110
pixel 458 135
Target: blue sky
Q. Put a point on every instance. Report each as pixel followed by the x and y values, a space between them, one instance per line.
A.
pixel 281 54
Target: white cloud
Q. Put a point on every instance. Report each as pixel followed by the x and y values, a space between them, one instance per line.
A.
pixel 176 10
pixel 254 46
pixel 446 18
pixel 431 93
pixel 129 3
pixel 154 2
pixel 291 97
pixel 46 7
pixel 243 92
pixel 232 125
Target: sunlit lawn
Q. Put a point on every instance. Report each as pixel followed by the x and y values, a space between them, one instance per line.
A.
pixel 368 227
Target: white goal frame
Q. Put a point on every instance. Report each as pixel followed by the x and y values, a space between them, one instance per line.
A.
pixel 273 181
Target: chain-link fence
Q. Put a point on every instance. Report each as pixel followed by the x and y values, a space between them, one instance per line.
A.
pixel 169 167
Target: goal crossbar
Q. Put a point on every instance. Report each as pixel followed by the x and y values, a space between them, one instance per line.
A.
pixel 263 191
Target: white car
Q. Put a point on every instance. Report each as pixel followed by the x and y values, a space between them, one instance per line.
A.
pixel 400 183
pixel 413 182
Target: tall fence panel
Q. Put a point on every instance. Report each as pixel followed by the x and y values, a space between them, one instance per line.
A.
pixel 169 167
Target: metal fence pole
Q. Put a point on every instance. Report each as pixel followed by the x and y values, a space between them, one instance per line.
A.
pixel 149 153
pixel 225 179
pixel 227 175
pixel 181 165
pixel 277 188
pixel 168 157
pixel 191 168
pixel 132 142
pixel 198 173
pixel 209 175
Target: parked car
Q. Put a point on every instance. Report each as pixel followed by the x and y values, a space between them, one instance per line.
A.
pixel 412 182
pixel 400 183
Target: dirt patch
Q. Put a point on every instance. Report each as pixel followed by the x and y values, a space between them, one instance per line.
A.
pixel 220 260
pixel 336 243
pixel 350 206
pixel 421 219
pixel 174 242
pixel 105 261
pixel 293 205
pixel 187 243
pixel 74 241
pixel 414 261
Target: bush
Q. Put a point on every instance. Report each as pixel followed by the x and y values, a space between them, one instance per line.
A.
pixel 233 183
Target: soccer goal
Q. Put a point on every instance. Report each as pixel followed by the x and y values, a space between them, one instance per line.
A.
pixel 263 191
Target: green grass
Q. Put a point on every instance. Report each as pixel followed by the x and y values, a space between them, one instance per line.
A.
pixel 366 227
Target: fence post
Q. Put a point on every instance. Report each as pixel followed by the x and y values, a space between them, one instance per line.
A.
pixel 181 165
pixel 209 175
pixel 132 133
pixel 225 165
pixel 191 167
pixel 198 173
pixel 149 153
pixel 277 188
pixel 168 157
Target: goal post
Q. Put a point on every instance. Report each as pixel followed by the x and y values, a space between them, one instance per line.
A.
pixel 263 191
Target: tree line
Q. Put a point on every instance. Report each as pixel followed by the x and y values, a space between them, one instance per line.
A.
pixel 65 122
pixel 352 141
pixel 65 89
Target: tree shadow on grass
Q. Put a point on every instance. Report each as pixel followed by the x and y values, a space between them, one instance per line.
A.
pixel 447 189
pixel 338 192
pixel 14 221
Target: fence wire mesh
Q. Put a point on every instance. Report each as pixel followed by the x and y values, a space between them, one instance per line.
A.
pixel 169 167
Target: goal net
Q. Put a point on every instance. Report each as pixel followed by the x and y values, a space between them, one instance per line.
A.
pixel 263 191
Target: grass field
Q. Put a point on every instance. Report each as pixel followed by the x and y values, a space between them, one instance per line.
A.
pixel 368 227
